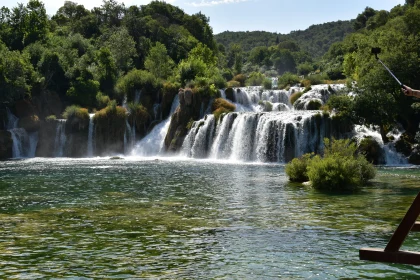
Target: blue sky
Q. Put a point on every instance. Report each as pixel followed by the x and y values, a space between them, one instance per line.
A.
pixel 279 16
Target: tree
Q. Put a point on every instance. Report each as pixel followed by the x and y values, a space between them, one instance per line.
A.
pixel 122 47
pixel 158 62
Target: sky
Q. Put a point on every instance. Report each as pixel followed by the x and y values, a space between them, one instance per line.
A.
pixel 278 16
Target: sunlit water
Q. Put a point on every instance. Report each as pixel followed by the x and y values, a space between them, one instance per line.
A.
pixel 189 219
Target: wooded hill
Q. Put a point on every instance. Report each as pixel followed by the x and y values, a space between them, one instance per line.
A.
pixel 315 40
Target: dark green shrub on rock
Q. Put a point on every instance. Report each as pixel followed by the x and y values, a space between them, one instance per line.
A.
pixel 221 106
pixel 340 168
pixel 297 168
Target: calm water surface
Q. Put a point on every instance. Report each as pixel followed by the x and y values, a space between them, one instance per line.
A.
pixel 174 219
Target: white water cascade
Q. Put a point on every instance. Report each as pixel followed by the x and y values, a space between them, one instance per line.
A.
pixel 60 138
pixel 263 137
pixel 391 156
pixel 91 137
pixel 24 143
pixel 152 144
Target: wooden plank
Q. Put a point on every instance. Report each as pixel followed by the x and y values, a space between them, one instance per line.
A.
pixel 416 227
pixel 380 255
pixel 405 226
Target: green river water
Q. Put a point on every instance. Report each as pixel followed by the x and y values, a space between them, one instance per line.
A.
pixel 189 219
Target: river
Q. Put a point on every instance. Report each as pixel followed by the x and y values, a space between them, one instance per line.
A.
pixel 171 218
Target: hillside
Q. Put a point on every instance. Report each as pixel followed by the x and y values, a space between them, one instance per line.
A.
pixel 316 39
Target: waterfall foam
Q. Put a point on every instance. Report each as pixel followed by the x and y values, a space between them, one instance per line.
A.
pixel 60 138
pixel 152 144
pixel 91 137
pixel 24 143
pixel 263 137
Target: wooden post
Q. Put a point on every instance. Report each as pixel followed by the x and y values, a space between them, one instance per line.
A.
pixel 392 251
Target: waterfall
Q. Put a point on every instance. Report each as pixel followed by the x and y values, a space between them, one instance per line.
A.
pixel 91 137
pixel 392 157
pixel 24 143
pixel 263 137
pixel 250 99
pixel 137 96
pixel 12 120
pixel 152 143
pixel 60 138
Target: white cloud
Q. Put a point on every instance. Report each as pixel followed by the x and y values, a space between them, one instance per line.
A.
pixel 203 3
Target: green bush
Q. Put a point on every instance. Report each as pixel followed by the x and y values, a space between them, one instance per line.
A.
pixel 102 100
pixel 340 168
pixel 267 84
pixel 137 80
pixel 51 118
pixel 232 84
pixel 295 96
pixel 297 168
pixel 314 105
pixel 241 78
pixel 288 79
pixel 75 111
pixel 221 106
pixel 255 79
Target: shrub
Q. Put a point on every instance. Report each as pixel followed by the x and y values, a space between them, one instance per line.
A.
pixel 232 84
pixel 297 168
pixel 267 84
pixel 137 80
pixel 255 79
pixel 51 118
pixel 288 79
pixel 314 105
pixel 221 106
pixel 340 168
pixel 317 79
pixel 241 78
pixel 295 96
pixel 75 111
pixel 102 100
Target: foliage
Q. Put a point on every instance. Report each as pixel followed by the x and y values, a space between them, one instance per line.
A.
pixel 16 75
pixel 267 83
pixel 241 79
pixel 295 96
pixel 340 168
pixel 297 169
pixel 158 61
pixel 288 79
pixel 75 111
pixel 136 80
pixel 221 106
pixel 255 79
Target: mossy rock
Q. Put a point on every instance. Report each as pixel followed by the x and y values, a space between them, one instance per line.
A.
pixel 313 105
pixel 30 123
pixel 229 94
pixel 403 146
pixel 372 150
pixel 24 108
pixel 6 144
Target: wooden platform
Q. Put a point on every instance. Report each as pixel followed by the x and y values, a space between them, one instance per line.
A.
pixel 380 255
pixel 392 253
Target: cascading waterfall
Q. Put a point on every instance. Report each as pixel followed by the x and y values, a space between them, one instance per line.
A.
pixel 24 143
pixel 152 144
pixel 391 156
pixel 60 138
pixel 263 137
pixel 91 137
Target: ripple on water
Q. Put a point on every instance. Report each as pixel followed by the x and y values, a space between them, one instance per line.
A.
pixel 190 219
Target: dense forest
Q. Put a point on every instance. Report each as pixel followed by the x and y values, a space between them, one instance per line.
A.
pixel 316 40
pixel 79 61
